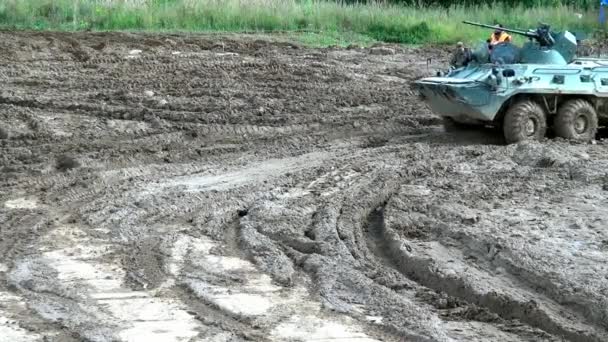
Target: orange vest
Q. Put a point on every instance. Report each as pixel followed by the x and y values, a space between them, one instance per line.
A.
pixel 504 37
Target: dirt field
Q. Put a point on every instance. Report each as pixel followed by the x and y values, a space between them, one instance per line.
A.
pixel 188 188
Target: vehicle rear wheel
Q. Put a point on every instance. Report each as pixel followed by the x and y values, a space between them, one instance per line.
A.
pixel 525 120
pixel 576 120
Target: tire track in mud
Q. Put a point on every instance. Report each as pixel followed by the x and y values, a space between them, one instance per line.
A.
pixel 11 324
pixel 18 322
pixel 83 275
pixel 90 298
pixel 237 193
pixel 197 122
pixel 500 257
pixel 365 216
pixel 445 269
pixel 26 213
pixel 315 241
pixel 252 239
pixel 506 256
pixel 108 298
pixel 284 313
pixel 480 318
pixel 503 325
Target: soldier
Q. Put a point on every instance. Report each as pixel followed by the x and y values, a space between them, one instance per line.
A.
pixel 461 56
pixel 499 36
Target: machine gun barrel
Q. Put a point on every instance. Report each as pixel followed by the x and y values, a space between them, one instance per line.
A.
pixel 520 32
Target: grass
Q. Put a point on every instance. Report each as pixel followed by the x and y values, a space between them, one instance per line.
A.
pixel 319 22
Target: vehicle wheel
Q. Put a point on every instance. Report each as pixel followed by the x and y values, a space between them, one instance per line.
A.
pixel 525 120
pixel 576 120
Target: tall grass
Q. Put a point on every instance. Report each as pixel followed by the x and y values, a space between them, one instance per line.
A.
pixel 375 20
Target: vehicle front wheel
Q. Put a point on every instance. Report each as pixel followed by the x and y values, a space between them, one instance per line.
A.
pixel 525 120
pixel 576 120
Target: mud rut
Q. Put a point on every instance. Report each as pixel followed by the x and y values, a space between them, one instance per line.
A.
pixel 232 189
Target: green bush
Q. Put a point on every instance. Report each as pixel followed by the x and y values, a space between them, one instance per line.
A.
pixel 414 34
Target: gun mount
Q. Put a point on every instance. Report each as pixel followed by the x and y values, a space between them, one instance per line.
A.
pixel 542 34
pixel 545 46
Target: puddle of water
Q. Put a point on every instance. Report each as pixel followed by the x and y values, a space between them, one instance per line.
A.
pixel 313 328
pixel 471 331
pixel 21 203
pixel 416 190
pixel 9 328
pixel 253 297
pixel 220 264
pixel 7 299
pixel 143 316
pixel 252 174
pixel 256 296
pixel 10 331
pixel 152 319
pixel 374 319
pixel 243 304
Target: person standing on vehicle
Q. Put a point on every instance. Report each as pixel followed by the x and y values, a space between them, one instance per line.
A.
pixel 461 56
pixel 499 36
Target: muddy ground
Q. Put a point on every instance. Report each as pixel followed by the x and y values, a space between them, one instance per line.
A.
pixel 197 188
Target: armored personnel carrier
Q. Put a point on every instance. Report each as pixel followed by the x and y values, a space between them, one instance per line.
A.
pixel 524 90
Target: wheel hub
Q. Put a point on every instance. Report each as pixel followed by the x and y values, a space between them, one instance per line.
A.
pixel 530 127
pixel 580 124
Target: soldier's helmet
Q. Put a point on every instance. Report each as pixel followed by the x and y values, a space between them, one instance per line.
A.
pixel 498 29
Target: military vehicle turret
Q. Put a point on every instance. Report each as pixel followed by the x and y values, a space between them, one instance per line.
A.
pixel 524 90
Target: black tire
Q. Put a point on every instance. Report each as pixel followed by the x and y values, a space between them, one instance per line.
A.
pixel 576 120
pixel 525 120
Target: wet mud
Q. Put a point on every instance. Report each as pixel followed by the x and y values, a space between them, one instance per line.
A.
pixel 233 188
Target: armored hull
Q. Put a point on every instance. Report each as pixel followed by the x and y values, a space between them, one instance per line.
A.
pixel 525 90
pixel 477 94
